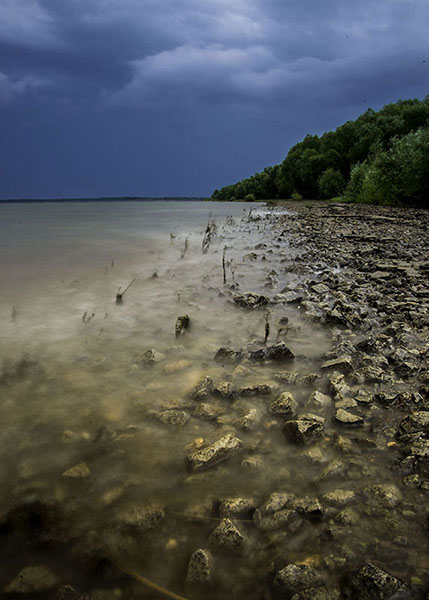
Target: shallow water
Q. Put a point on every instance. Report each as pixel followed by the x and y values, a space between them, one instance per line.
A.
pixel 74 390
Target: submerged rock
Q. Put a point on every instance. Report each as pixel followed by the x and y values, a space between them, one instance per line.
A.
pixel 249 420
pixel 296 578
pixel 141 518
pixel 384 495
pixel 372 583
pixel 217 452
pixel 226 535
pixel 284 405
pixel 236 507
pixel 202 390
pixel 32 580
pixel 173 417
pixel 250 300
pixel 347 418
pixel 343 364
pixel 228 355
pixel 305 429
pixel 79 471
pixel 199 568
pixel 207 412
pixel 150 357
pixel 277 352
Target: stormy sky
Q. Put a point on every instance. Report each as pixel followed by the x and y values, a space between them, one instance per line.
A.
pixel 179 97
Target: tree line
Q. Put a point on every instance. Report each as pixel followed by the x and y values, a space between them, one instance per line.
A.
pixel 381 157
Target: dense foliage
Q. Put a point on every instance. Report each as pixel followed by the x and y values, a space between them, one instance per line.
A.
pixel 381 157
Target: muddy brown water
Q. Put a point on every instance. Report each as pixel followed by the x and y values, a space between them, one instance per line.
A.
pixel 74 390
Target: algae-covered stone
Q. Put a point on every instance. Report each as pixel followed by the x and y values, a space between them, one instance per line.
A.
pixel 228 355
pixel 319 400
pixel 207 412
pixel 217 452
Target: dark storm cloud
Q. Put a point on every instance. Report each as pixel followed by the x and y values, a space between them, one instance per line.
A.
pixel 283 66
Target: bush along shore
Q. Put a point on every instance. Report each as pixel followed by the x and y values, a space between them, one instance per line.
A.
pixel 331 447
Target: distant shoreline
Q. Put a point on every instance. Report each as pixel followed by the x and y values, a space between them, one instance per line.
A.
pixel 117 199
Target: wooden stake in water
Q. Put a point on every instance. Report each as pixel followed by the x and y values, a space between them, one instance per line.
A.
pixel 120 294
pixel 224 266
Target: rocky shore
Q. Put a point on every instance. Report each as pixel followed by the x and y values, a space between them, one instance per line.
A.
pixel 332 450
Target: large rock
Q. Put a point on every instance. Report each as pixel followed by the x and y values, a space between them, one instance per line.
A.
pixel 236 507
pixel 305 429
pixel 199 568
pixel 143 518
pixel 228 355
pixel 277 352
pixel 249 419
pixel 250 300
pixel 173 417
pixel 202 390
pixel 296 578
pixel 344 417
pixel 226 535
pixel 217 452
pixel 384 495
pixel 416 422
pixel 284 405
pixel 372 583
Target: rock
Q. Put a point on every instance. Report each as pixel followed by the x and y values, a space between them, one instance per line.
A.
pixel 236 507
pixel 319 400
pixel 228 355
pixel 249 420
pixel 143 518
pixel 199 569
pixel 250 300
pixel 346 403
pixel 226 535
pixel 296 578
pixel 207 412
pixel 202 390
pixel 284 405
pixel 150 357
pixel 343 364
pixel 258 389
pixel 77 472
pixel 310 508
pixel 320 288
pixel 182 324
pixel 320 593
pixel 384 495
pixel 306 429
pixel 277 501
pixel 252 463
pixel 66 592
pixel 277 352
pixel 349 419
pixel 176 366
pixel 217 452
pixel 274 521
pixel 339 387
pixel 33 579
pixel 372 583
pixel 173 417
pixel 225 389
pixel 417 421
pixel 339 497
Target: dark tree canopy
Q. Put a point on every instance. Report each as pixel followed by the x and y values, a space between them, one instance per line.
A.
pixel 381 157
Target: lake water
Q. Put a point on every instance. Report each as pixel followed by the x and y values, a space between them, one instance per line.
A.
pixel 80 405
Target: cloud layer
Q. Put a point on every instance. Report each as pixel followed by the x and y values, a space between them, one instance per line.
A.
pixel 302 65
